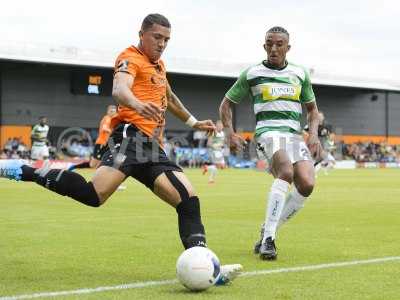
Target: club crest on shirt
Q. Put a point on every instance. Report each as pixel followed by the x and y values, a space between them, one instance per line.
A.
pixel 158 80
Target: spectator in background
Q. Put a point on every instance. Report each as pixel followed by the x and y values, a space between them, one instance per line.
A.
pixel 8 145
pixel 371 152
pixel 39 140
pixel 15 148
pixel 3 155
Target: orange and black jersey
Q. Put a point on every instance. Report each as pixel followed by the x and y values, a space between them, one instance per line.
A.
pixel 150 85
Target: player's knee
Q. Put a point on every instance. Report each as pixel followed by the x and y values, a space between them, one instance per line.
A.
pixel 286 174
pixel 305 187
pixel 102 196
pixel 191 192
pixel 184 191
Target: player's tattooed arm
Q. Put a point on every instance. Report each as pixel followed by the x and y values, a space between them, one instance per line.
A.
pixel 122 93
pixel 313 122
pixel 176 107
pixel 225 113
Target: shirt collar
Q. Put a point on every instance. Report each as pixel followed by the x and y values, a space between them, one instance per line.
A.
pixel 269 66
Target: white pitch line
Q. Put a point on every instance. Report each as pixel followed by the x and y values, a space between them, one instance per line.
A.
pixel 136 285
pixel 321 266
pixel 144 284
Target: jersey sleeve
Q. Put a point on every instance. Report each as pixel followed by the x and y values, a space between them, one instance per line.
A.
pixel 106 124
pixel 127 64
pixel 34 129
pixel 240 89
pixel 307 93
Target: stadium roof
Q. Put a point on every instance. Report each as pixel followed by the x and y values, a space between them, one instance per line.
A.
pixel 95 58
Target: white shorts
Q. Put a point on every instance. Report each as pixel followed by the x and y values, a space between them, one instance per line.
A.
pixel 217 157
pixel 293 144
pixel 39 152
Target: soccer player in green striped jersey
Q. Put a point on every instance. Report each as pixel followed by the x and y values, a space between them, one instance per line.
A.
pixel 277 90
pixel 215 145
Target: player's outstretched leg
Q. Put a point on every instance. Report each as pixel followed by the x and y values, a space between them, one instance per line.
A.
pixel 66 183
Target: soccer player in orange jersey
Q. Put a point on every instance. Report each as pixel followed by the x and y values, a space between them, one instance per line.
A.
pixel 100 146
pixel 142 91
pixel 104 133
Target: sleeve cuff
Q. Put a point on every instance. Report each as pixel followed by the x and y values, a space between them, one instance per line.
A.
pixel 309 101
pixel 230 99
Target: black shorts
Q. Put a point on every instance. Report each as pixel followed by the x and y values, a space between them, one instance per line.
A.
pixel 98 151
pixel 136 155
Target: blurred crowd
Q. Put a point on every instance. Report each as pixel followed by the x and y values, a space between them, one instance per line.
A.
pixel 371 152
pixel 195 156
pixel 14 148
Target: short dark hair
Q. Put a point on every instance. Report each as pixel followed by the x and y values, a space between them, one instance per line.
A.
pixel 155 19
pixel 278 29
pixel 42 117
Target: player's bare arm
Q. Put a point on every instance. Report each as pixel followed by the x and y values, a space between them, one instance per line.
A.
pixel 176 107
pixel 313 121
pixel 225 113
pixel 123 95
pixel 107 129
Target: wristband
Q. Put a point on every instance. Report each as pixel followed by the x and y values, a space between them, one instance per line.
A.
pixel 191 121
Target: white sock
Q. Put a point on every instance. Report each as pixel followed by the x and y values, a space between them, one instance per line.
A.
pixel 213 171
pixel 294 202
pixel 276 201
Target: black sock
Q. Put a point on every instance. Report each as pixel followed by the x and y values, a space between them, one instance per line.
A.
pixel 191 230
pixel 69 184
pixel 83 165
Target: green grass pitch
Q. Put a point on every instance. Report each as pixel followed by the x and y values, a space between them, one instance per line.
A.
pixel 50 243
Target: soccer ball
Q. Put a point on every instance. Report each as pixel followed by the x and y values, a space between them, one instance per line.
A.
pixel 197 268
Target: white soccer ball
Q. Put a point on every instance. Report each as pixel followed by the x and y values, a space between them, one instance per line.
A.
pixel 197 268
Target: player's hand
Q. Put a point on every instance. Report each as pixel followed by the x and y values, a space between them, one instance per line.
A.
pixel 205 125
pixel 314 145
pixel 236 142
pixel 149 110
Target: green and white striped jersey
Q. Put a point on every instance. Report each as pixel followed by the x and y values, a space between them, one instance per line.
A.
pixel 39 134
pixel 217 141
pixel 277 96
